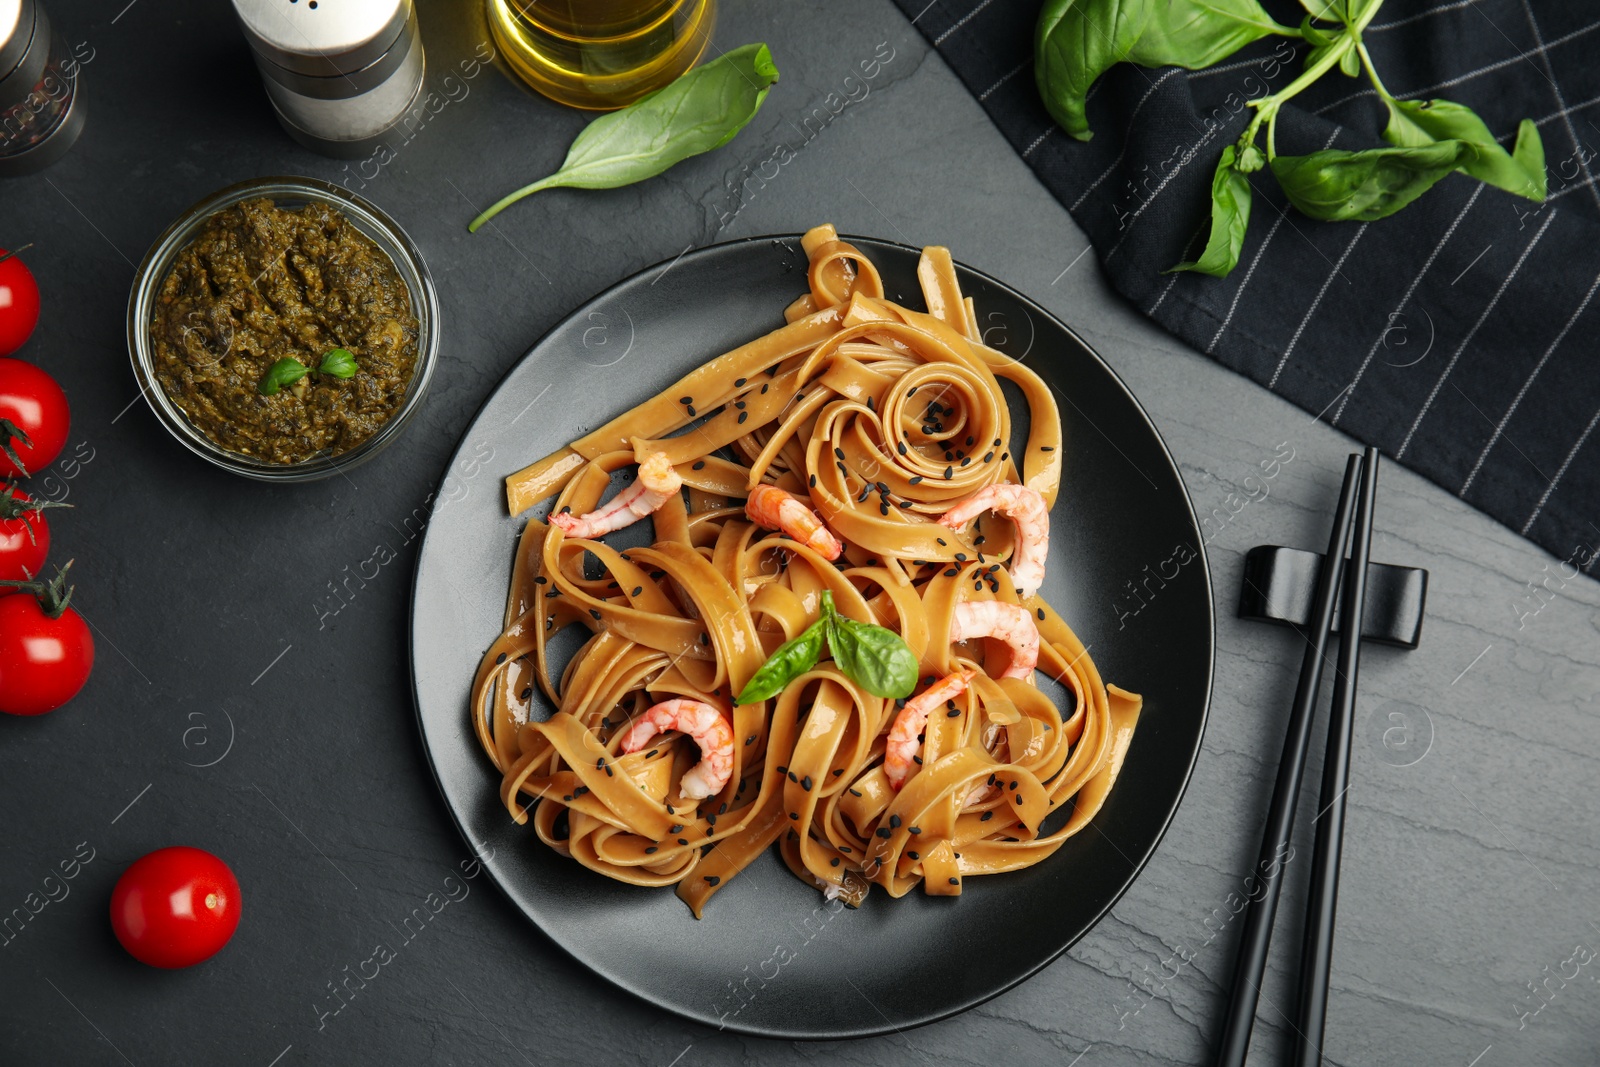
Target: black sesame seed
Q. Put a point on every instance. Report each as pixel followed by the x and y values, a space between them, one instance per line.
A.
pixel 750 740
pixel 942 541
pixel 986 816
pixel 965 461
pixel 711 820
pixel 813 481
pixel 953 713
pixel 1019 801
pixel 916 479
pixel 904 504
pixel 805 783
pixel 837 451
pixel 855 793
pixel 650 851
pixel 683 840
pixel 838 771
pixel 1041 614
pixel 1013 786
pixel 595 612
pixel 988 457
pixel 528 692
pixel 723 810
pixel 686 400
pixel 1046 448
pixel 894 821
pixel 540 580
pixel 884 831
pixel 782 769
pixel 913 829
pixel 712 879
pixel 900 446
pixel 971 441
pixel 912 855
pixel 845 849
pixel 743 415
pixel 955 881
pixel 501 658
pixel 948 471
pixel 834 862
pixel 739 381
pixel 691 412
pixel 637 590
pixel 765 387
pixel 883 507
pixel 952 572
pixel 917 760
pixel 795 815
pixel 912 391
pixel 675 828
pixel 792 778
pixel 699 465
pixel 705 639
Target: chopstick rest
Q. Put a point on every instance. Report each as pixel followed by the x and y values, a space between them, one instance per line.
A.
pixel 1279 583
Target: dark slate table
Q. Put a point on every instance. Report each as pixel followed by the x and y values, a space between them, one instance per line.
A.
pixel 228 711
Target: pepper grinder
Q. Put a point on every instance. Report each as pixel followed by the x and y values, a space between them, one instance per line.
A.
pixel 41 109
pixel 339 73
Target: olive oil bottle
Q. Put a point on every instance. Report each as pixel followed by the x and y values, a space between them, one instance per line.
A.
pixel 600 54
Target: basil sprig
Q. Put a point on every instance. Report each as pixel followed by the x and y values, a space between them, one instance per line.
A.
pixel 1078 40
pixel 701 110
pixel 873 657
pixel 339 362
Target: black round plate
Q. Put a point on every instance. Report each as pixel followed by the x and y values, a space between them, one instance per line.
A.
pixel 1126 570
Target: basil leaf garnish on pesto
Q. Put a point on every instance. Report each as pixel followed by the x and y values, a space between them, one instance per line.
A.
pixel 701 110
pixel 282 373
pixel 339 362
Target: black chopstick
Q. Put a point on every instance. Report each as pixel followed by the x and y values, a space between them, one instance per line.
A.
pixel 1268 875
pixel 1323 897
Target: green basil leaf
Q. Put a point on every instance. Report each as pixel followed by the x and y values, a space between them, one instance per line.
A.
pixel 790 661
pixel 1350 64
pixel 1077 41
pixel 1197 33
pixel 282 373
pixel 339 362
pixel 1326 10
pixel 1413 123
pixel 701 110
pixel 1230 217
pixel 1336 185
pixel 874 657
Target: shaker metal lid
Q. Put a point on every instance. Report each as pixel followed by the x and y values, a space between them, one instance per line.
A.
pixel 16 32
pixel 322 38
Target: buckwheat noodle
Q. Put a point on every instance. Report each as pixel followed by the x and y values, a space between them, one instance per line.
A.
pixel 883 416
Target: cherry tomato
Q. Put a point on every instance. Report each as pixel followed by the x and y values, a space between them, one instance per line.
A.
pixel 175 907
pixel 44 661
pixel 24 535
pixel 19 302
pixel 33 418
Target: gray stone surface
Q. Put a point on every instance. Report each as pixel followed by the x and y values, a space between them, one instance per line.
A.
pixel 1470 870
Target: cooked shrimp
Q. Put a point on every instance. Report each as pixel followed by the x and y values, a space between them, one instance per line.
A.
pixel 1010 623
pixel 773 509
pixel 705 726
pixel 656 484
pixel 1027 511
pixel 905 736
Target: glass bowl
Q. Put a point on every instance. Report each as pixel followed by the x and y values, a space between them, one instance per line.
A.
pixel 289 193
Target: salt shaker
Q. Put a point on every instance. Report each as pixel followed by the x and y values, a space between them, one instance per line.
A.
pixel 41 109
pixel 340 73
